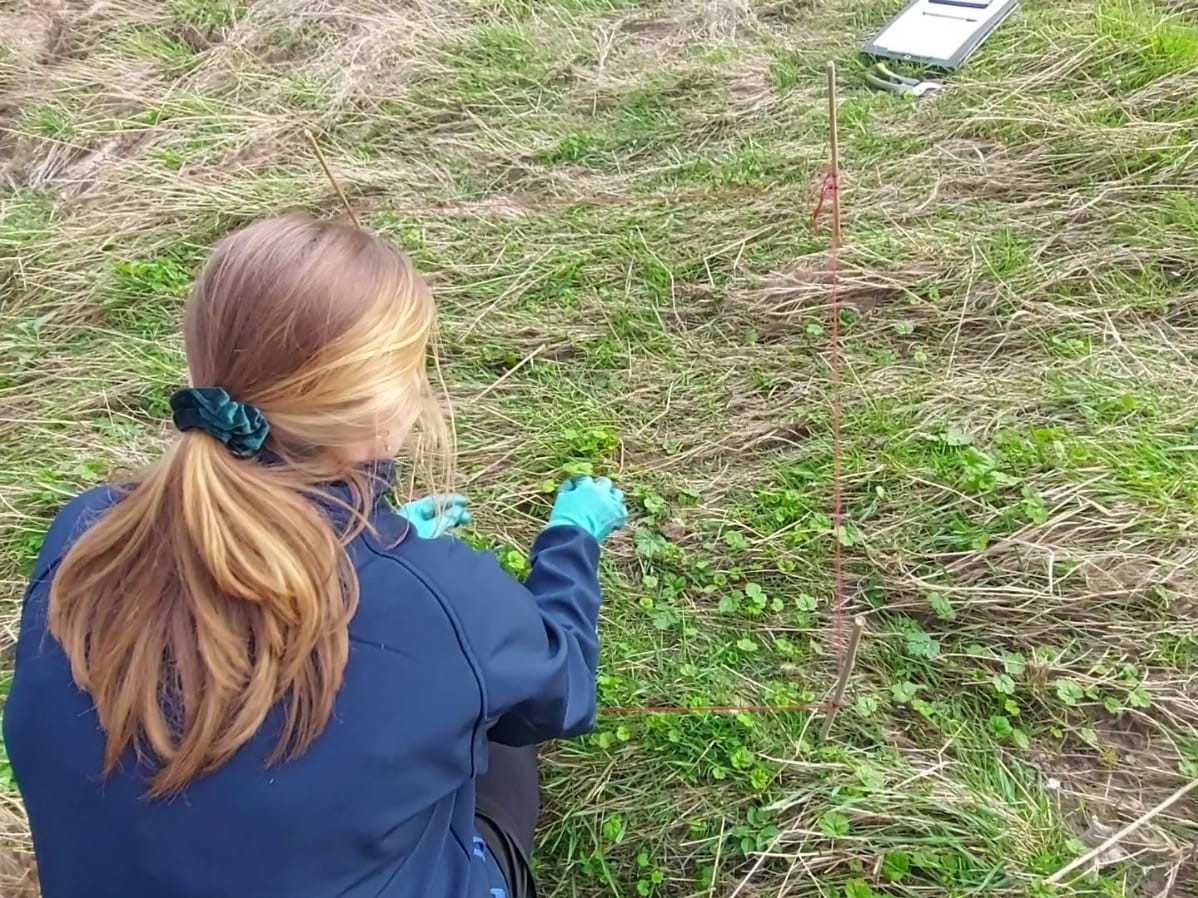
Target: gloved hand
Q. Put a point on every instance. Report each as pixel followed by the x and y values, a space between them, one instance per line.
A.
pixel 594 505
pixel 433 515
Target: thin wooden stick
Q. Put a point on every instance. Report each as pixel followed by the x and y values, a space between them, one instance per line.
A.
pixel 1172 879
pixel 757 865
pixel 842 682
pixel 845 656
pixel 1122 834
pixel 510 371
pixel 328 173
pixel 715 867
pixel 834 148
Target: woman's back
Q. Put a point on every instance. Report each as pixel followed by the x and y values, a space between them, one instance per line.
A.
pixel 382 803
pixel 244 674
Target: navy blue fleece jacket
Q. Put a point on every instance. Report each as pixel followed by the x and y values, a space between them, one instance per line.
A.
pixel 447 651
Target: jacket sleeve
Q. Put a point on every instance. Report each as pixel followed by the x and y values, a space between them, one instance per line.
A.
pixel 535 645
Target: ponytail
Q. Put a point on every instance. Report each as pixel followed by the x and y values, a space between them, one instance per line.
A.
pixel 217 590
pixel 214 589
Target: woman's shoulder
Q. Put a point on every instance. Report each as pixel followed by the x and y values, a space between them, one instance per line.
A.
pixel 78 514
pixel 72 521
pixel 97 498
pixel 89 505
pixel 425 592
pixel 441 563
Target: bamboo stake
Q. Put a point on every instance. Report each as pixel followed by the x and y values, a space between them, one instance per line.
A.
pixel 328 173
pixel 834 148
pixel 846 656
pixel 842 682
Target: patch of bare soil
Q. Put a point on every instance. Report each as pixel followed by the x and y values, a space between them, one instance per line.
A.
pixel 30 32
pixel 31 28
pixel 1099 799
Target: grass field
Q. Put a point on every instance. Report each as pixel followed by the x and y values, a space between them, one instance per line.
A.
pixel 613 201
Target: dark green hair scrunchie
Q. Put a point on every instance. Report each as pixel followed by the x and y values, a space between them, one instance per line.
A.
pixel 238 425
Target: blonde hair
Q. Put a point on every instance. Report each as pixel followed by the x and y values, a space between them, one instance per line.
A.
pixel 216 587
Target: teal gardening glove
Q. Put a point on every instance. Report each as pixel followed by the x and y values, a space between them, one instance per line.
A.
pixel 435 515
pixel 596 506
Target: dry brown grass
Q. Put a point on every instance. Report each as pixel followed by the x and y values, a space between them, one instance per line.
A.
pixel 18 871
